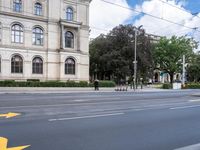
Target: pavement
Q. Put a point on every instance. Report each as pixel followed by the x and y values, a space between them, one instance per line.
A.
pixel 46 90
pixel 155 120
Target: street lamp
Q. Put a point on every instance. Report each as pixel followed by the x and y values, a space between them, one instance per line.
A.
pixel 95 72
pixel 135 56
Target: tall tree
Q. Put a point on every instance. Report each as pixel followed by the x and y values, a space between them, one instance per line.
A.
pixel 112 55
pixel 168 54
pixel 193 69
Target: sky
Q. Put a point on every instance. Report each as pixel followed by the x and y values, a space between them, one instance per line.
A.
pixel 106 14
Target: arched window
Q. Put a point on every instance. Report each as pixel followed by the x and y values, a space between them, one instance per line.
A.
pixel 16 64
pixel 38 9
pixel 69 14
pixel 38 36
pixel 69 39
pixel 17 5
pixel 17 33
pixel 37 66
pixel 70 66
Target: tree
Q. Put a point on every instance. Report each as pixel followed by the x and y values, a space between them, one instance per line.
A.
pixel 168 54
pixel 193 69
pixel 112 55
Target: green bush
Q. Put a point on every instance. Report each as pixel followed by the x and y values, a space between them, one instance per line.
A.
pixel 20 84
pixel 33 80
pixel 9 82
pixel 71 84
pixel 52 84
pixel 32 84
pixel 36 83
pixel 107 84
pixel 104 84
pixel 192 86
pixel 83 84
pixel 167 86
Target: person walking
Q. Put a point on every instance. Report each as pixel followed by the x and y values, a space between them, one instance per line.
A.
pixel 96 85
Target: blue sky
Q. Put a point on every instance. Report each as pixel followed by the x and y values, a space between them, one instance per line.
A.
pixel 134 2
pixel 191 5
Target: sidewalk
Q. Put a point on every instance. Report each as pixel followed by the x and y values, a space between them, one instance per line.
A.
pixel 43 90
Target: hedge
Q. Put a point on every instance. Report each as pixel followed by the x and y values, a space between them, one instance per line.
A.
pixel 192 86
pixel 107 84
pixel 104 84
pixel 167 86
pixel 36 83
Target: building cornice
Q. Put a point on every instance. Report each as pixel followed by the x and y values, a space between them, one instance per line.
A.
pixel 70 23
pixel 42 50
pixel 70 51
pixel 23 16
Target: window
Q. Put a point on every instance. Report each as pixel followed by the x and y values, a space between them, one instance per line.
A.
pixel 38 36
pixel 17 34
pixel 16 64
pixel 70 66
pixel 0 64
pixel 0 32
pixel 69 39
pixel 69 14
pixel 38 9
pixel 17 5
pixel 37 66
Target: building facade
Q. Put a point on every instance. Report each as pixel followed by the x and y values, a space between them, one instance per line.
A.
pixel 44 39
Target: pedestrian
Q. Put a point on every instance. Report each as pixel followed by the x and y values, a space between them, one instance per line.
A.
pixel 96 85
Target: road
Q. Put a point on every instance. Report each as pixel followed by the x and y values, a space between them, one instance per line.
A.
pixel 102 120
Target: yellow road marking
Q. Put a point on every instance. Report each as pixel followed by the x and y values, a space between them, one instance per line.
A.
pixel 4 143
pixel 9 115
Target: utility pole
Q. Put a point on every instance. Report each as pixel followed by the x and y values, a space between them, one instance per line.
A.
pixel 95 72
pixel 183 74
pixel 135 57
pixel 135 60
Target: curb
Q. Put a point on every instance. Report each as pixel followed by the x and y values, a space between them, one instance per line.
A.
pixel 76 91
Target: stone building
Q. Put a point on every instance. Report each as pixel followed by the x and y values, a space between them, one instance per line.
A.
pixel 44 39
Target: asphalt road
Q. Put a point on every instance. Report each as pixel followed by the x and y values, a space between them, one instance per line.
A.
pixel 102 121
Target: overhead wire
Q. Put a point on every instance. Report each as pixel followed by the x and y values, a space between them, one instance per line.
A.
pixel 179 8
pixel 144 13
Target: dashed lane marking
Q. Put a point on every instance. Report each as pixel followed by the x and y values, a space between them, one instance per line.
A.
pixel 191 147
pixel 185 107
pixel 86 117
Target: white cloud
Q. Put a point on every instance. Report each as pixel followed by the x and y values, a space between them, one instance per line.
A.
pixel 168 12
pixel 106 16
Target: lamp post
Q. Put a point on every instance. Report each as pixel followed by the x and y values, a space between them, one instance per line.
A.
pixel 135 57
pixel 95 77
pixel 183 74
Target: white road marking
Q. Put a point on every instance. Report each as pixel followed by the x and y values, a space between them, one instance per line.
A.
pixel 143 106
pixel 195 100
pixel 185 107
pixel 191 147
pixel 86 117
pixel 86 100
